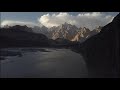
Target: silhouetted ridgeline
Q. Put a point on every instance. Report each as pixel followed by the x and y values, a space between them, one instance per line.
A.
pixel 101 51
pixel 21 36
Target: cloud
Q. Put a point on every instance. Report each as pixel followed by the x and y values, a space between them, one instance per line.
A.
pixel 12 23
pixel 85 19
pixel 89 20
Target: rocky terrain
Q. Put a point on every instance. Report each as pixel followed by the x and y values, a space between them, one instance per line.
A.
pixel 67 31
pixel 63 35
pixel 101 51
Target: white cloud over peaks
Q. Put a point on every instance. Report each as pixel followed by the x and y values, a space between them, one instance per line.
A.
pixel 89 20
pixel 12 23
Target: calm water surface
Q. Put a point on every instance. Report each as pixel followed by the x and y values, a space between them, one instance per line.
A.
pixel 43 63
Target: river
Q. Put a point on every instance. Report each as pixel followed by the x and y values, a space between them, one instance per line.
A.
pixel 43 63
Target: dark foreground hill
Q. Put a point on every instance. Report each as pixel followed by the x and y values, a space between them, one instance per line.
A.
pixel 21 36
pixel 101 51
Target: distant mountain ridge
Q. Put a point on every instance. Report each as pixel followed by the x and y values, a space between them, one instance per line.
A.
pixel 21 36
pixel 67 31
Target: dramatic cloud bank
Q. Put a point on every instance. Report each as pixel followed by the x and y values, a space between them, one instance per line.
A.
pixel 12 23
pixel 89 20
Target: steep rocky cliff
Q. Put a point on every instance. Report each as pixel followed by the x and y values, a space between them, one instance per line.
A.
pixel 101 51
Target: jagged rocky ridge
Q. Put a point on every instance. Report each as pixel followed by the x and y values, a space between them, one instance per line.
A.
pixel 65 34
pixel 67 31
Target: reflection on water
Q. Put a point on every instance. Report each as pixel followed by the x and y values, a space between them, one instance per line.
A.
pixel 41 63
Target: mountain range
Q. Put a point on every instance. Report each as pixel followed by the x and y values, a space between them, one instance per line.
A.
pixel 64 31
pixel 21 36
pixel 67 31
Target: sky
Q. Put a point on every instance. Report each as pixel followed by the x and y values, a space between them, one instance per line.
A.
pixel 49 19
